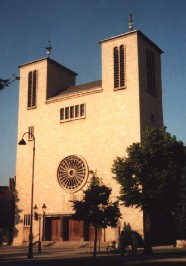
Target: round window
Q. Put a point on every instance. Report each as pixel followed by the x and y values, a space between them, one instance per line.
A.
pixel 72 173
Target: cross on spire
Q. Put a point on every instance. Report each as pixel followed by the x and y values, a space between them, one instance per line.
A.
pixel 48 48
pixel 130 22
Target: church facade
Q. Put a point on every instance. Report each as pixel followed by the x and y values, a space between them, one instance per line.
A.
pixel 81 128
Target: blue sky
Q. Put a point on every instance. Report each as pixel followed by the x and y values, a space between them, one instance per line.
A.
pixel 75 27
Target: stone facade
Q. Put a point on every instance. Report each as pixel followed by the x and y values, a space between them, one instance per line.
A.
pixel 111 120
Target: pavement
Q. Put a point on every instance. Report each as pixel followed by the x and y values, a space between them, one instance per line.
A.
pixel 82 256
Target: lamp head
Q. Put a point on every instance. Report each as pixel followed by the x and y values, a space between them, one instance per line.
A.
pixel 35 207
pixel 44 207
pixel 22 142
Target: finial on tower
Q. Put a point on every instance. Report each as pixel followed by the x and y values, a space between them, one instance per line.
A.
pixel 130 22
pixel 48 48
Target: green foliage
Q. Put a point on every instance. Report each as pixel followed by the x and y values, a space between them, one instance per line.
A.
pixel 180 214
pixel 96 208
pixel 151 173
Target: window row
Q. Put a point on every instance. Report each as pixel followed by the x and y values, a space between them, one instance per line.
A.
pixel 72 112
pixel 119 66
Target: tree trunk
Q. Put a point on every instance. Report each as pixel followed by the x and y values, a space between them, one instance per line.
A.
pixel 95 240
pixel 147 232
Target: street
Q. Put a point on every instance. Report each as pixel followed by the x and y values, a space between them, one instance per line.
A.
pixel 81 256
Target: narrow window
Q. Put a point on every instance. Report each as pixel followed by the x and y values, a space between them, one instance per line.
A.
pixel 76 110
pixel 151 72
pixel 62 114
pixel 71 111
pixel 32 89
pixel 122 67
pixel 31 132
pixel 82 110
pixel 29 104
pixel 116 68
pixel 119 66
pixel 67 113
pixel 152 118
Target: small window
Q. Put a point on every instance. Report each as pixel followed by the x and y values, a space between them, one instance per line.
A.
pixel 62 114
pixel 31 132
pixel 76 110
pixel 27 220
pixel 67 113
pixel 82 110
pixel 71 111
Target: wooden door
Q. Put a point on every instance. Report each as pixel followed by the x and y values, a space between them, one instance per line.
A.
pixel 75 230
pixel 55 226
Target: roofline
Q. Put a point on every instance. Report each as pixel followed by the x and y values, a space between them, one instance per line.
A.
pixel 51 61
pixel 130 33
pixel 32 62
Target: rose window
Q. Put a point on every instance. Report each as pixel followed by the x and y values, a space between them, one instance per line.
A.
pixel 72 173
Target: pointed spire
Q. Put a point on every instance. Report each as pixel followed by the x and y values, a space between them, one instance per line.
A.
pixel 130 22
pixel 48 48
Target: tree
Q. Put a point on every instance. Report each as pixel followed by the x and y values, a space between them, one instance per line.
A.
pixel 6 82
pixel 95 208
pixel 150 175
pixel 180 214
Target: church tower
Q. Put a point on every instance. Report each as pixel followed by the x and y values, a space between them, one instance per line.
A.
pixel 82 128
pixel 131 68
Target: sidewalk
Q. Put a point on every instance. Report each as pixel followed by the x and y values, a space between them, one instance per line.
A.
pixel 12 256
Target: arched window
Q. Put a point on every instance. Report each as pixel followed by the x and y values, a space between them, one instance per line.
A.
pixel 32 87
pixel 122 66
pixel 119 67
pixel 116 68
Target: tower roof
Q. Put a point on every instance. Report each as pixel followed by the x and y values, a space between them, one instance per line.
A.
pixel 50 61
pixel 138 32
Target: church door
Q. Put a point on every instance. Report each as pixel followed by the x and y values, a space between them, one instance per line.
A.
pixel 56 226
pixel 52 228
pixel 75 230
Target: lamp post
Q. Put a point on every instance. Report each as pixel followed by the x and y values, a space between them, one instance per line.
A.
pixel 43 232
pixel 39 217
pixel 30 246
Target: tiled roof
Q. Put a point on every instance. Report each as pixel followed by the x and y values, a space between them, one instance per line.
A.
pixel 81 88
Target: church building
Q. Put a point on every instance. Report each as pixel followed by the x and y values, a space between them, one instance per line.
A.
pixel 71 130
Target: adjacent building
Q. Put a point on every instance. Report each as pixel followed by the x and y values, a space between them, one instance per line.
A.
pixel 7 212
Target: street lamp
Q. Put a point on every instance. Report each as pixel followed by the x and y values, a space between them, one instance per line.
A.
pixel 30 246
pixel 39 216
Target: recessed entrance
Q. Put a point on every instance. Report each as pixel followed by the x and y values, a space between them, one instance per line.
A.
pixel 64 228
